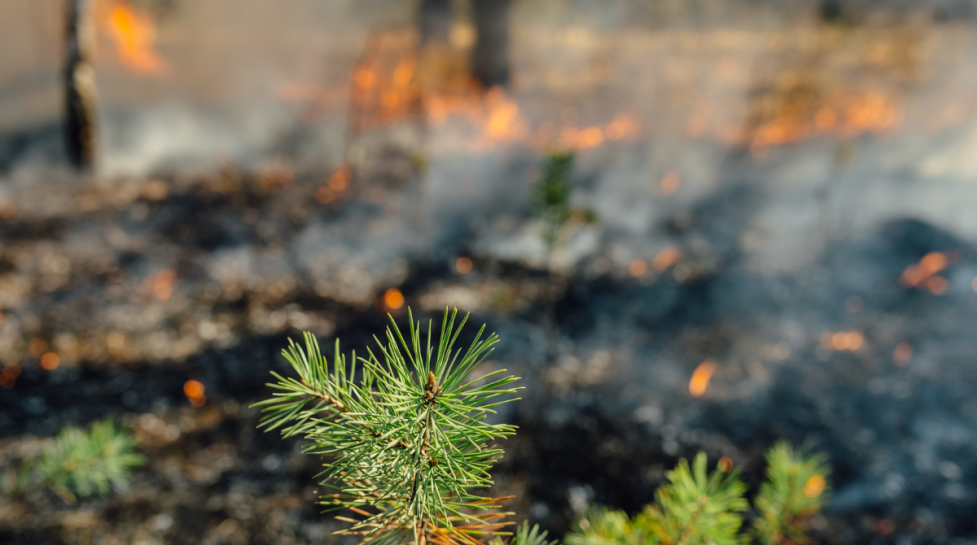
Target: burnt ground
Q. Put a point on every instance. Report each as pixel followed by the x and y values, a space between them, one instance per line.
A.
pixel 816 156
pixel 606 410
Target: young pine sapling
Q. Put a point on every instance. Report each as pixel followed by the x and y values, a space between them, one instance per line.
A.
pixel 406 434
pixel 80 463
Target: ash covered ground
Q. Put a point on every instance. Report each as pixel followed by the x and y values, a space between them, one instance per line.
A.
pixel 790 199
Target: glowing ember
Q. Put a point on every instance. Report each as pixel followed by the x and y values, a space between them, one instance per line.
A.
pixel 50 361
pixel 638 267
pixel 701 377
pixel 669 183
pixel 335 186
pixel 463 265
pixel 134 35
pixel 194 390
pixel 161 284
pixel 902 354
pixel 843 340
pixel 666 258
pixel 9 375
pixel 814 486
pixel 923 274
pixel 393 299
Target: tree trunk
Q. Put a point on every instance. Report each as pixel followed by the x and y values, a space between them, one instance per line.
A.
pixel 80 88
pixel 490 57
pixel 435 21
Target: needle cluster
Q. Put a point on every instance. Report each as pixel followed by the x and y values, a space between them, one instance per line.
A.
pixel 698 507
pixel 552 193
pixel 80 463
pixel 404 430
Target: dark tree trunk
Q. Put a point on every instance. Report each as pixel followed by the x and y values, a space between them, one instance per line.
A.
pixel 80 88
pixel 435 21
pixel 490 58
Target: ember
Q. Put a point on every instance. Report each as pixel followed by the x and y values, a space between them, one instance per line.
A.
pixel 701 377
pixel 194 391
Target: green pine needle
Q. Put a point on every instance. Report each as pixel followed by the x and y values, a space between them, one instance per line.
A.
pixel 701 508
pixel 79 463
pixel 406 432
pixel 796 488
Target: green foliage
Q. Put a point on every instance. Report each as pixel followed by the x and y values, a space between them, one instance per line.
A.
pixel 551 197
pixel 699 508
pixel 79 463
pixel 407 438
pixel 603 526
pixel 526 536
pixel 796 488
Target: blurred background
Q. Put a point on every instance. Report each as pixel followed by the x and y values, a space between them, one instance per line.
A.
pixel 782 243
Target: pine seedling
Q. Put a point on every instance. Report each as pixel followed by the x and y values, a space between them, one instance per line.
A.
pixel 80 463
pixel 795 489
pixel 526 536
pixel 697 507
pixel 603 526
pixel 551 198
pixel 405 433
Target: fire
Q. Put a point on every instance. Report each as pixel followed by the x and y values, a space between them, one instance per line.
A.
pixel 9 375
pixel 463 265
pixel 335 186
pixel 924 275
pixel 666 258
pixel 638 267
pixel 160 285
pixel 669 183
pixel 843 340
pixel 50 361
pixel 393 299
pixel 847 114
pixel 194 390
pixel 134 35
pixel 388 86
pixel 701 377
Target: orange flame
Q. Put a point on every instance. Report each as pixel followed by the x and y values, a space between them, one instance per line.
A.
pixel 843 340
pixel 701 377
pixel 463 265
pixel 386 89
pixel 923 274
pixel 160 284
pixel 9 375
pixel 669 183
pixel 194 390
pixel 393 299
pixel 134 35
pixel 666 258
pixel 50 361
